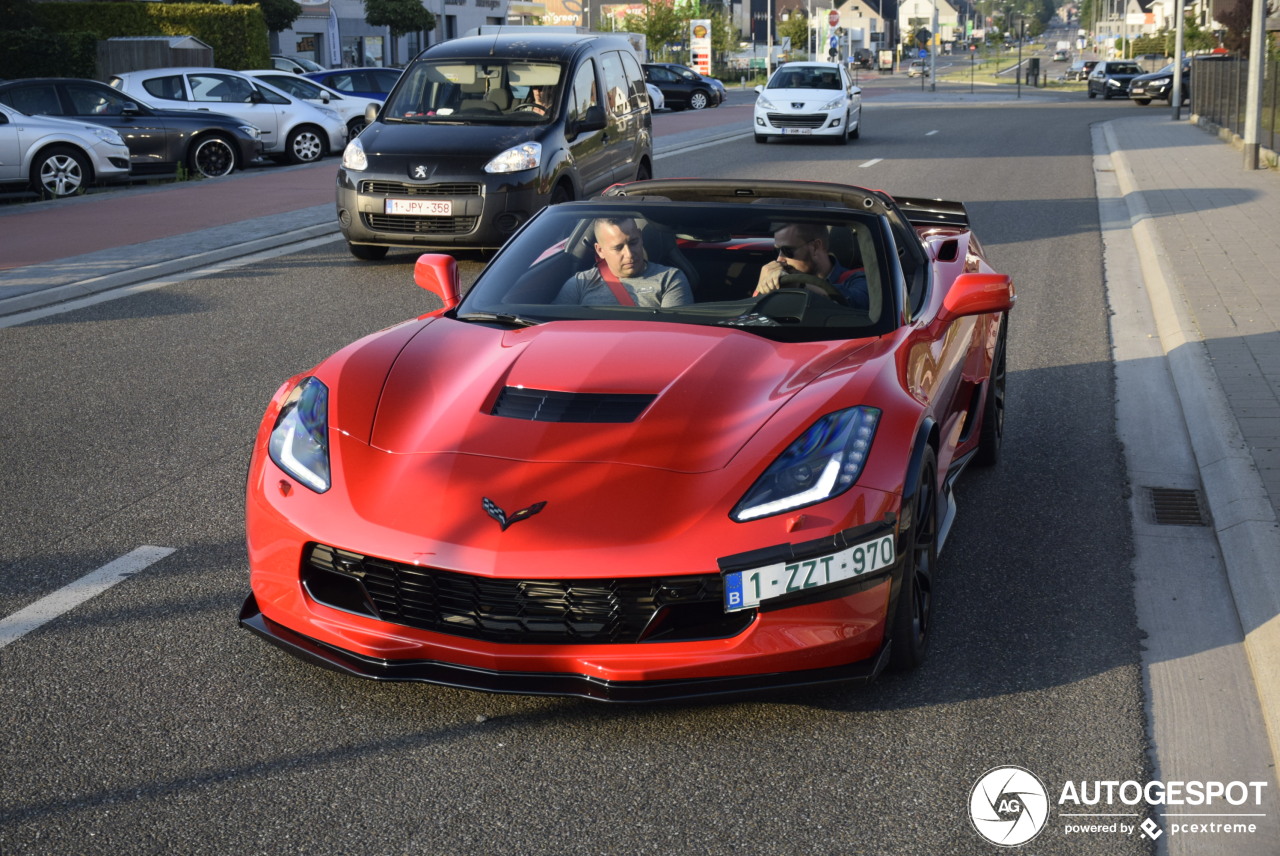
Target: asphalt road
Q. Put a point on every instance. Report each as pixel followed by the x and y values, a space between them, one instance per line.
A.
pixel 145 721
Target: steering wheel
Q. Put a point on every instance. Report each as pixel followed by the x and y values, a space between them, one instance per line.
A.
pixel 532 108
pixel 800 280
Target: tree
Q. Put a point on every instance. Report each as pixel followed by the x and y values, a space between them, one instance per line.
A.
pixel 661 24
pixel 399 17
pixel 796 28
pixel 279 14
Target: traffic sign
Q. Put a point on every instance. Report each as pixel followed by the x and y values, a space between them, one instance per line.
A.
pixel 923 53
pixel 833 18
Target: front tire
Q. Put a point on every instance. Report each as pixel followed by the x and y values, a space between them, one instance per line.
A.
pixel 59 172
pixel 913 619
pixel 698 100
pixel 1142 102
pixel 761 138
pixel 213 157
pixel 305 144
pixel 991 439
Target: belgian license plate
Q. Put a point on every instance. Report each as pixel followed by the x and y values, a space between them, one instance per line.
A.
pixel 746 589
pixel 1137 90
pixel 797 130
pixel 420 207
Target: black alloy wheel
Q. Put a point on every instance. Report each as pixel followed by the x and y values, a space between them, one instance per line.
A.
pixel 213 157
pixel 913 619
pixel 992 436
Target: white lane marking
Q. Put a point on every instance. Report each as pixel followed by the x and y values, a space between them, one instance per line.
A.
pixel 931 133
pixel 70 596
pixel 871 162
pixel 686 149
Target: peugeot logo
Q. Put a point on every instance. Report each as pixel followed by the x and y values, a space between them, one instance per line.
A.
pixel 491 508
pixel 797 105
pixel 419 171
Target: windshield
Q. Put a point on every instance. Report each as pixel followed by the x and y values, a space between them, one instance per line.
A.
pixel 805 78
pixel 482 91
pixel 695 263
pixel 1123 68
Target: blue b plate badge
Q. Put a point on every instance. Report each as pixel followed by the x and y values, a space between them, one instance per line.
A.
pixel 750 588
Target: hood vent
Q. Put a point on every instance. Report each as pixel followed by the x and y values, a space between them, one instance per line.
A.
pixel 540 405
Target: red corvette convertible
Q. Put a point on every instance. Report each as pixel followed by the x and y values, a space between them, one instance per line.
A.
pixel 671 489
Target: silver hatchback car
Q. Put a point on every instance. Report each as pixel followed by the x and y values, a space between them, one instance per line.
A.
pixel 292 129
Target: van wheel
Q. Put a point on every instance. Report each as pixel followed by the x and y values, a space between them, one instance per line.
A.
pixel 643 173
pixel 367 252
pixel 561 194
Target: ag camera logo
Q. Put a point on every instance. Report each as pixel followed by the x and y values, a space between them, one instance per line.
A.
pixel 1009 806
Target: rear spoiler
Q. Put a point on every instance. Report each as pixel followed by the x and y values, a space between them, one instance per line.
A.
pixel 933 212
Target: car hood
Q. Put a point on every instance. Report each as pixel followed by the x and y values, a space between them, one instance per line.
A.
pixel 395 139
pixel 810 98
pixel 696 395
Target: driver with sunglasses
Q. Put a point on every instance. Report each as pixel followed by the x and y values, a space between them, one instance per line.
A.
pixel 804 248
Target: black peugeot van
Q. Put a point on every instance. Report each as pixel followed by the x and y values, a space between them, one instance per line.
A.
pixel 483 131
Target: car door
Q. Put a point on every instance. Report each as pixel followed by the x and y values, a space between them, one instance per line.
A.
pixel 673 87
pixel 230 93
pixel 144 134
pixel 589 148
pixel 10 150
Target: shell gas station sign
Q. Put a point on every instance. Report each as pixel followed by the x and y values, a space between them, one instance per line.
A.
pixel 700 46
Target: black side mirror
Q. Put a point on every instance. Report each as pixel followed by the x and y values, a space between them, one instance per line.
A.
pixel 593 120
pixel 129 109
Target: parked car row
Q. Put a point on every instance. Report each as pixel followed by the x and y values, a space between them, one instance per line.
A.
pixel 1126 79
pixel 206 121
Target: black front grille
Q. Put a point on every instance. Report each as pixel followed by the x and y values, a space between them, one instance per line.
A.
pixel 540 405
pixel 797 120
pixel 591 611
pixel 409 225
pixel 396 188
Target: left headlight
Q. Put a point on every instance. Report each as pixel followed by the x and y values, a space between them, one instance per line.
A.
pixel 823 462
pixel 251 131
pixel 300 439
pixel 353 156
pixel 516 158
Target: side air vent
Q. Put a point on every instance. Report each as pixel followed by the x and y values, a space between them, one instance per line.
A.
pixel 540 405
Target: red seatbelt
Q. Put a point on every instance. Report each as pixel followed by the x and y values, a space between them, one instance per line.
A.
pixel 620 293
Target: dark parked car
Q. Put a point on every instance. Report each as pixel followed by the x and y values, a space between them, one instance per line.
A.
pixel 208 144
pixel 1159 84
pixel 683 87
pixel 1080 69
pixel 1110 78
pixel 374 82
pixel 482 132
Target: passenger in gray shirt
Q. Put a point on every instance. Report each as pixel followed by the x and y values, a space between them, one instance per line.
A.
pixel 623 274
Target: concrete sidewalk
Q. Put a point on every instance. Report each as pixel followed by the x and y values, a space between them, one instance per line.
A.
pixel 1207 236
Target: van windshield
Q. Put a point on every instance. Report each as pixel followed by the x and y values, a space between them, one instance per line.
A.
pixel 482 91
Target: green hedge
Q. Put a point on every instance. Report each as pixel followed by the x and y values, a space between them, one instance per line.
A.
pixel 237 34
pixel 34 52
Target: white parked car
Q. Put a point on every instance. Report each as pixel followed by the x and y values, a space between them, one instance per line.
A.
pixel 807 99
pixel 58 157
pixel 350 107
pixel 292 129
pixel 656 100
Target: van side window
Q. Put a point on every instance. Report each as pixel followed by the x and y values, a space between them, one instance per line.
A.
pixel 617 90
pixel 584 90
pixel 635 77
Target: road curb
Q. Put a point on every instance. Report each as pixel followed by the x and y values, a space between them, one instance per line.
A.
pixel 40 298
pixel 1244 522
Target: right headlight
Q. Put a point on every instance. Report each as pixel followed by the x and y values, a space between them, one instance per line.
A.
pixel 764 103
pixel 823 462
pixel 299 442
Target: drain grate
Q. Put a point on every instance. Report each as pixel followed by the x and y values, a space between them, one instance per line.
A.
pixel 1175 507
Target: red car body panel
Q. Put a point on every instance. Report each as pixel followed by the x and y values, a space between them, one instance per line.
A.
pixel 415 445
